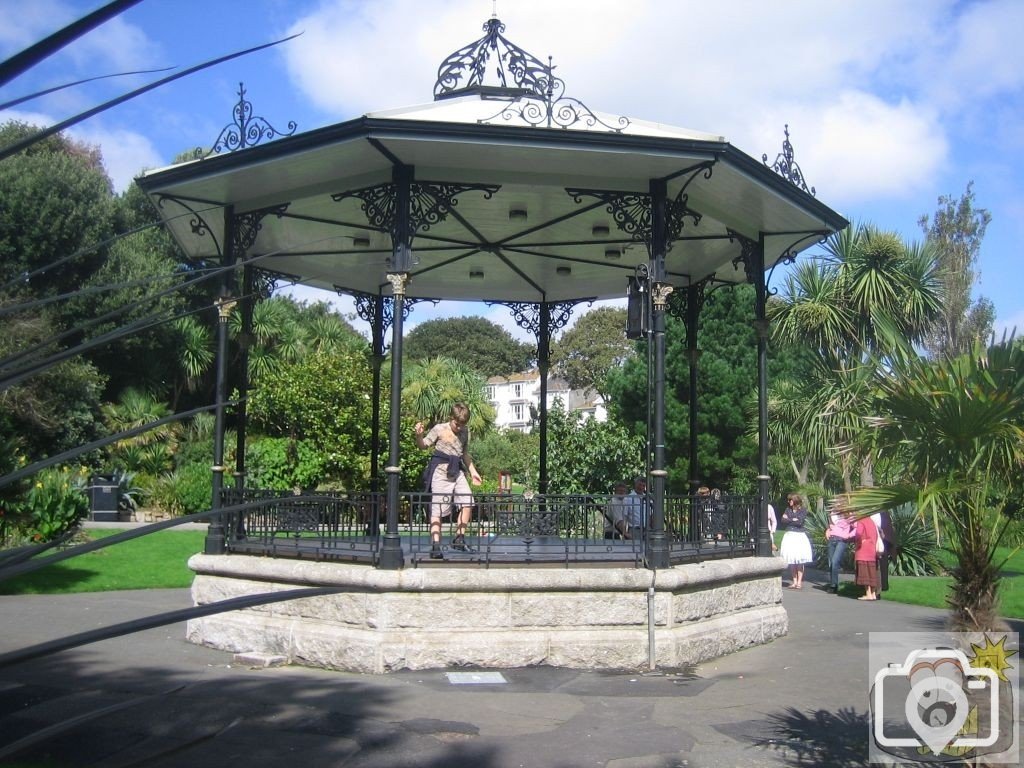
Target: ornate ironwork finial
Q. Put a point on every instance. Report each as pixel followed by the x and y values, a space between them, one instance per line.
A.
pixel 539 97
pixel 787 167
pixel 245 130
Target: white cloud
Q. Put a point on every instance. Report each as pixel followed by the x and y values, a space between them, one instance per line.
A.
pixel 32 22
pixel 32 118
pixel 125 153
pixel 738 68
pixel 863 148
pixel 1009 324
pixel 980 55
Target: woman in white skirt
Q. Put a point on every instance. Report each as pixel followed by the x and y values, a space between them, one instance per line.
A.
pixel 796 545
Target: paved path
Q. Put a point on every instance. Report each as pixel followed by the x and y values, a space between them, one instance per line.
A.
pixel 153 700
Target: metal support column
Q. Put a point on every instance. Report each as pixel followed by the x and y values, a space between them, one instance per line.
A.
pixel 391 555
pixel 543 355
pixel 376 362
pixel 657 541
pixel 692 318
pixel 214 544
pixel 248 298
pixel 763 546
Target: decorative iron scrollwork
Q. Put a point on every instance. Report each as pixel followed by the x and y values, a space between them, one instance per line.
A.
pixel 366 308
pixel 560 312
pixel 264 284
pixel 787 167
pixel 680 207
pixel 789 256
pixel 746 257
pixel 246 130
pixel 467 67
pixel 198 225
pixel 527 314
pixel 411 302
pixel 551 112
pixel 678 302
pixel 248 226
pixel 632 214
pixel 430 203
pixel 539 96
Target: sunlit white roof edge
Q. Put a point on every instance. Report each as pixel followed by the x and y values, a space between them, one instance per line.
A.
pixel 473 110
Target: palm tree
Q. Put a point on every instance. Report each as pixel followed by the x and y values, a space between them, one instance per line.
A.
pixel 195 351
pixel 957 425
pixel 834 306
pixel 148 451
pixel 433 386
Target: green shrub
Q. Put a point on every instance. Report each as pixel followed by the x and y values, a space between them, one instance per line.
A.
pixel 915 551
pixel 185 491
pixel 54 504
pixel 281 464
pixel 816 523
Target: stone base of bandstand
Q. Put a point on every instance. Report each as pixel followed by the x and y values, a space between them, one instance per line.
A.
pixel 584 618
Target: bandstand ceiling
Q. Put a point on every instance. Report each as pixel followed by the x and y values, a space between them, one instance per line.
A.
pixel 531 219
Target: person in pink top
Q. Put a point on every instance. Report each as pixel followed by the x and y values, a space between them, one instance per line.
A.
pixel 865 555
pixel 838 535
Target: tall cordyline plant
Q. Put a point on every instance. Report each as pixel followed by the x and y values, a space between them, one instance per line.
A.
pixel 834 306
pixel 957 425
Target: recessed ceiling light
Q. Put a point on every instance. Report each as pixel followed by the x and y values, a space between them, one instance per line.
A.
pixel 476 274
pixel 517 214
pixel 564 270
pixel 612 254
pixel 361 242
pixel 600 230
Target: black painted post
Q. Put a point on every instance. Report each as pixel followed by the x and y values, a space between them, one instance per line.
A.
pixel 376 361
pixel 763 546
pixel 692 318
pixel 214 544
pixel 245 342
pixel 543 356
pixel 657 541
pixel 391 555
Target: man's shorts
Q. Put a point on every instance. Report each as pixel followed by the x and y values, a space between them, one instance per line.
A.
pixel 448 494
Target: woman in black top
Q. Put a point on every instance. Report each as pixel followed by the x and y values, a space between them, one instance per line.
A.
pixel 796 546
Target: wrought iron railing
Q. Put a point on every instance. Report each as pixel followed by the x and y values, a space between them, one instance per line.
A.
pixel 504 528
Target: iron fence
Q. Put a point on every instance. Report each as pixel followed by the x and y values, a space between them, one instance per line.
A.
pixel 502 527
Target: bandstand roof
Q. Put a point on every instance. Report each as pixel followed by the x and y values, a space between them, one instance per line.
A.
pixel 517 203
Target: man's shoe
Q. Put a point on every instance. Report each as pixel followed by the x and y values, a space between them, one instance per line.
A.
pixel 459 543
pixel 435 552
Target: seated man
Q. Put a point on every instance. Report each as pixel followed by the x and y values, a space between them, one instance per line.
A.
pixel 636 506
pixel 616 525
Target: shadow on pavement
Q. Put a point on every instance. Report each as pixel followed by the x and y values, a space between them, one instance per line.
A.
pixel 836 739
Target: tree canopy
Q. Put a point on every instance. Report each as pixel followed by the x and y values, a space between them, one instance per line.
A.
pixel 484 346
pixel 323 398
pixel 955 232
pixel 595 345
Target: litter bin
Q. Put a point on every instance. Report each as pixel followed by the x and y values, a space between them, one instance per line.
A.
pixel 103 499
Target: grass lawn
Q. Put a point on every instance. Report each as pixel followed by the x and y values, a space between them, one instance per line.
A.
pixel 932 590
pixel 156 561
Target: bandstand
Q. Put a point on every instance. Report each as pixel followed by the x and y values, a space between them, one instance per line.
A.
pixel 504 189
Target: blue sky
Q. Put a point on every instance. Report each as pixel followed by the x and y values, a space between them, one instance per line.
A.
pixel 890 104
